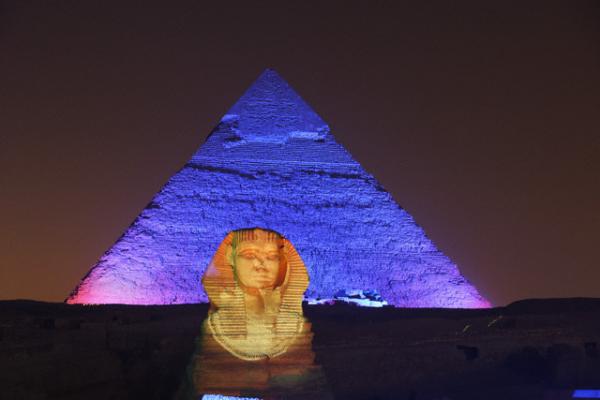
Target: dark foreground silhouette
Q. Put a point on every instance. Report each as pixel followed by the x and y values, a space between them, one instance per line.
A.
pixel 532 349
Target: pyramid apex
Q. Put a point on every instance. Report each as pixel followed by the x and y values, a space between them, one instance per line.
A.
pixel 271 108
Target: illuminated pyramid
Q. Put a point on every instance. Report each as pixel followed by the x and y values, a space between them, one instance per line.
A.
pixel 272 163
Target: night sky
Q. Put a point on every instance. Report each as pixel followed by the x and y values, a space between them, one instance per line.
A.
pixel 481 119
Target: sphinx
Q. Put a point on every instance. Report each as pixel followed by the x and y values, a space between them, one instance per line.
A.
pixel 255 341
pixel 255 284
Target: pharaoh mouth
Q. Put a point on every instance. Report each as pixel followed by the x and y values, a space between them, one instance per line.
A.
pixel 263 278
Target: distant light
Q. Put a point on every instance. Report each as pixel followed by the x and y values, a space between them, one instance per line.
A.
pixel 362 298
pixel 221 397
pixel 586 394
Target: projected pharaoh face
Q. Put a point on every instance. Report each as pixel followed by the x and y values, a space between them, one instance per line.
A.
pixel 255 284
pixel 256 263
pixel 255 341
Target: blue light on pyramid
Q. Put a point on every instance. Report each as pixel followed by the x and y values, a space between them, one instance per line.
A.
pixel 273 163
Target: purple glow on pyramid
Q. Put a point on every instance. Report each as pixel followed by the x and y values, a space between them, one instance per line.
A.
pixel 272 163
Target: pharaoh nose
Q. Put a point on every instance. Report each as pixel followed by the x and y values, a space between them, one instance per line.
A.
pixel 259 260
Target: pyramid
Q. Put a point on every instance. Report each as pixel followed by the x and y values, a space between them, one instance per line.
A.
pixel 272 163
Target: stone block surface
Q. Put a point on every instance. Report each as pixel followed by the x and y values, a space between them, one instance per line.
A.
pixel 272 163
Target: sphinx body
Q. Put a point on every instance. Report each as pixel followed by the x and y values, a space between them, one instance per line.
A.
pixel 255 340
